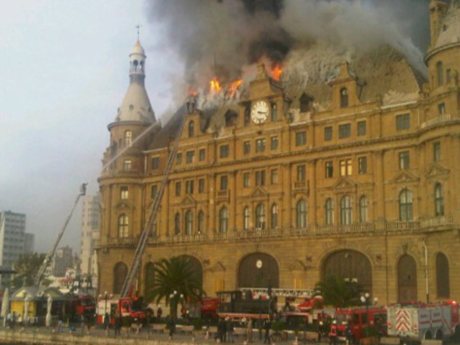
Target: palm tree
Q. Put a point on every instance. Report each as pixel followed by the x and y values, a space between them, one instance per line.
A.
pixel 176 281
pixel 339 292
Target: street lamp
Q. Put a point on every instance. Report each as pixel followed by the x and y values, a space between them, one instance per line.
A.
pixel 174 299
pixel 106 296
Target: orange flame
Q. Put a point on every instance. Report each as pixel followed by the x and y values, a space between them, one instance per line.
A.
pixel 214 85
pixel 234 86
pixel 277 71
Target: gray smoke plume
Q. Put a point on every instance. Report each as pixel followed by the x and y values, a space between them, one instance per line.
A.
pixel 221 37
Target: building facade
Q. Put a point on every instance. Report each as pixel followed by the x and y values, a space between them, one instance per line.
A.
pixel 14 241
pixel 62 261
pixel 90 216
pixel 356 178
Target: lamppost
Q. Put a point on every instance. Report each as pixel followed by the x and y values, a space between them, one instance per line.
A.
pixel 174 299
pixel 367 300
pixel 106 296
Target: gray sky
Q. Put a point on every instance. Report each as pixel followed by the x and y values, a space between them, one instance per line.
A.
pixel 63 73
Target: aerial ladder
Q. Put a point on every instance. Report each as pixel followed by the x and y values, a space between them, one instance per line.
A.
pixel 128 283
pixel 49 257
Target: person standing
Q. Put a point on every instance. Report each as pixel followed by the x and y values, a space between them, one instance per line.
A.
pixel 106 324
pixel 117 323
pixel 267 327
pixel 333 334
pixel 171 324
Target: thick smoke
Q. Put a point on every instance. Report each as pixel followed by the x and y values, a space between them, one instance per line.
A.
pixel 222 37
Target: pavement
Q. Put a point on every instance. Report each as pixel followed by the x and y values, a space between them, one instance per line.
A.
pixel 198 337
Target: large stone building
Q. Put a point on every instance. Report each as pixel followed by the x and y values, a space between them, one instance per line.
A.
pixel 357 178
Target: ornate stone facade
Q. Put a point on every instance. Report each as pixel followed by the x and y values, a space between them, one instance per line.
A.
pixel 358 178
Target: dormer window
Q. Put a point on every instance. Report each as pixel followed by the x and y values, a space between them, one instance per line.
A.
pixel 128 138
pixel 343 97
pixel 230 118
pixel 191 129
pixel 305 103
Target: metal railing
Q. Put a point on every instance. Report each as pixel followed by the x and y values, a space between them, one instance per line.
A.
pixel 380 227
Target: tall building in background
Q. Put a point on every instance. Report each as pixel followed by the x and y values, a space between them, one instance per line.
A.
pixel 89 236
pixel 14 241
pixel 355 176
pixel 63 259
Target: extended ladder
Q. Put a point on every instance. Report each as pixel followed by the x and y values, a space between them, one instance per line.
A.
pixel 127 284
pixel 50 255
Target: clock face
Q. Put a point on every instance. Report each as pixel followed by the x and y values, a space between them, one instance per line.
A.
pixel 259 111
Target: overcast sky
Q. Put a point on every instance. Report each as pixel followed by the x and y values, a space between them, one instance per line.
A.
pixel 63 73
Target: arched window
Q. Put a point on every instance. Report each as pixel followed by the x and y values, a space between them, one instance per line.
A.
pixel 363 204
pixel 345 210
pixel 343 97
pixel 200 222
pixel 177 224
pixel 191 129
pixel 246 218
pixel 188 222
pixel 120 272
pixel 301 214
pixel 274 112
pixel 328 212
pixel 438 200
pixel 123 223
pixel 260 216
pixel 274 217
pixel 223 220
pixel 440 73
pixel 128 138
pixel 405 205
pixel 442 276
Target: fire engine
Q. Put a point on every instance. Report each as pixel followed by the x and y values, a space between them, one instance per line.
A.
pixel 259 303
pixel 127 306
pixel 358 318
pixel 424 321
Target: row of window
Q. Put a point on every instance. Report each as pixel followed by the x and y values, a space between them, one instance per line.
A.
pixel 260 218
pixel 345 164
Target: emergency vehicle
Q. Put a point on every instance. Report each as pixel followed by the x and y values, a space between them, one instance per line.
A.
pixel 127 306
pixel 424 321
pixel 359 318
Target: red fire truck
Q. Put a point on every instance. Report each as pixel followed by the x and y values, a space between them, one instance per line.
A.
pixel 359 318
pixel 127 306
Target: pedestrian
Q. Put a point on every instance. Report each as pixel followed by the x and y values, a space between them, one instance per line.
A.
pixel 333 334
pixel 171 324
pixel 221 331
pixel 159 313
pixel 118 323
pixel 229 328
pixel 249 333
pixel 107 324
pixel 13 320
pixel 9 318
pixel 267 327
pixel 349 335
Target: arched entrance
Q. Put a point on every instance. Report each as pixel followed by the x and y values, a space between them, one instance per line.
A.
pixel 407 279
pixel 196 267
pixel 349 265
pixel 120 272
pixel 258 270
